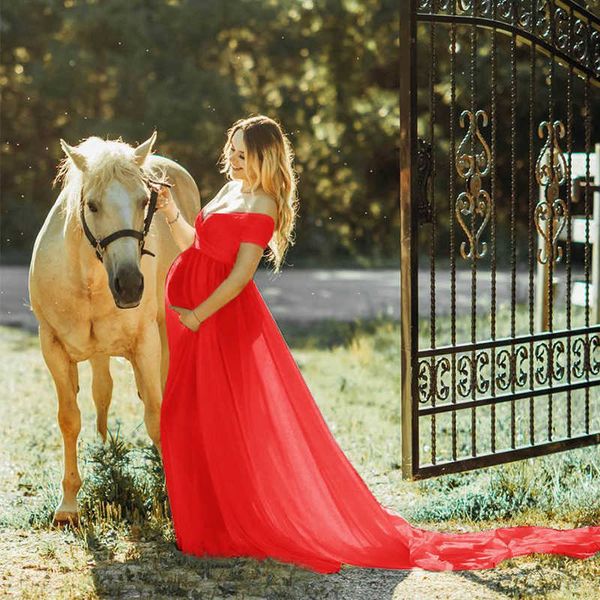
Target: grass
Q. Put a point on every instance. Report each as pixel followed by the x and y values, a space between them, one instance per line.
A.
pixel 125 541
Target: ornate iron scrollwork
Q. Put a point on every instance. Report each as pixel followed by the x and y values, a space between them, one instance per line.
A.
pixel 549 23
pixel 432 380
pixel 474 202
pixel 551 213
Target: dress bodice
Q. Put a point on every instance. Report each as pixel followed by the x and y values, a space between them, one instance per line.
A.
pixel 199 269
pixel 220 233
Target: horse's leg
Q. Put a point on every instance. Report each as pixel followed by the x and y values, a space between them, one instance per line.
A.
pixel 138 380
pixel 145 359
pixel 102 388
pixel 64 374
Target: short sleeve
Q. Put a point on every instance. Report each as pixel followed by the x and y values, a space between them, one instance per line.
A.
pixel 257 229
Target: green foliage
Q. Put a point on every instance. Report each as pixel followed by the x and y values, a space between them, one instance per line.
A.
pixel 564 486
pixel 326 70
pixel 122 481
pixel 42 511
pixel 331 334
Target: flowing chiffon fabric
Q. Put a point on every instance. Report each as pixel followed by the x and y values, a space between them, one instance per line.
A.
pixel 251 467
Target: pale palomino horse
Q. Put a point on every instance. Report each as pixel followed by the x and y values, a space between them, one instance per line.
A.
pixel 92 309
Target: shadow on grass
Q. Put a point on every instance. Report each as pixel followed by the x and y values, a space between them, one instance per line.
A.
pixel 124 501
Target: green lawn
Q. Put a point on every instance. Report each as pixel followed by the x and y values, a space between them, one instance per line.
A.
pixel 125 541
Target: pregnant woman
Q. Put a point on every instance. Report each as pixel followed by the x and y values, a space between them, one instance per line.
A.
pixel 251 467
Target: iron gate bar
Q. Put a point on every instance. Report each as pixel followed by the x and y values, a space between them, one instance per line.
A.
pixel 530 224
pixel 486 344
pixel 524 34
pixel 493 258
pixel 432 203
pixel 522 395
pixel 587 146
pixel 509 30
pixel 408 230
pixel 488 460
pixel 539 353
pixel 452 228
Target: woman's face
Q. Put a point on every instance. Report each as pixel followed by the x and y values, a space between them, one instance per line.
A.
pixel 237 156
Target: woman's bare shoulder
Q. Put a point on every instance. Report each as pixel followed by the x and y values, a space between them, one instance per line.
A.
pixel 265 203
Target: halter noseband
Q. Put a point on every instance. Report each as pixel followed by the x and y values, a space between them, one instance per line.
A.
pixel 100 244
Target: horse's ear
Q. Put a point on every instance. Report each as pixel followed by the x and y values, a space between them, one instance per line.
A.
pixel 78 159
pixel 143 150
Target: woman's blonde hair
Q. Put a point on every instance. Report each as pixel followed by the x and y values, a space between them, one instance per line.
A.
pixel 269 165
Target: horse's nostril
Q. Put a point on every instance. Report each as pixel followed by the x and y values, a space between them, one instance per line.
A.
pixel 128 285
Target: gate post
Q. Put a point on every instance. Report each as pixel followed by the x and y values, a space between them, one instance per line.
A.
pixel 408 236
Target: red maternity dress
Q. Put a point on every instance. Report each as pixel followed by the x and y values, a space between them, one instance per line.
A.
pixel 251 467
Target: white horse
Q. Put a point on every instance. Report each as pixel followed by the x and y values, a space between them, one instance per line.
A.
pixel 96 302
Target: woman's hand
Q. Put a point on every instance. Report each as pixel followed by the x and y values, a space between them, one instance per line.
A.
pixel 163 201
pixel 186 317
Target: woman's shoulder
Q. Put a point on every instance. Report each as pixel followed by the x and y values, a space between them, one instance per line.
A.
pixel 267 205
pixel 263 202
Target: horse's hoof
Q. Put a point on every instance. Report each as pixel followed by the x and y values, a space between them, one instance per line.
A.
pixel 63 517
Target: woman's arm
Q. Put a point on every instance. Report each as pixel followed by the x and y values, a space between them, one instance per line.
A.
pixel 183 233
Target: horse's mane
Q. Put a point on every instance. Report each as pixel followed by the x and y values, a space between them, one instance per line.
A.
pixel 106 160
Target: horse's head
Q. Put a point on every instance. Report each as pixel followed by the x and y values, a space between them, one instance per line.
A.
pixel 108 192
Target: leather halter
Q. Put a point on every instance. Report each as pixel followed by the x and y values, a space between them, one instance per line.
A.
pixel 100 244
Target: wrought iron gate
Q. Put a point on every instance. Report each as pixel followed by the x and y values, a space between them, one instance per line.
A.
pixel 498 177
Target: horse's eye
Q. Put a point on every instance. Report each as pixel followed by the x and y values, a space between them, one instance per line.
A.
pixel 92 206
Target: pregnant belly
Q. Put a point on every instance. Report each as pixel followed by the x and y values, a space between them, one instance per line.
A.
pixel 192 277
pixel 177 282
